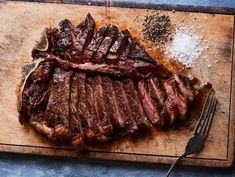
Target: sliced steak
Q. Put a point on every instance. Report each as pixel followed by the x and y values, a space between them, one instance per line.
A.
pixel 62 39
pixel 159 89
pixel 93 115
pixel 185 87
pixel 39 124
pixel 75 121
pixel 57 110
pixel 40 103
pixel 43 73
pixel 86 121
pixel 95 42
pixel 169 108
pixel 100 108
pixel 174 93
pixel 135 105
pixel 137 52
pixel 111 103
pixel 35 94
pixel 123 58
pixel 152 92
pixel 106 44
pixel 53 106
pixel 38 97
pixel 82 36
pixel 62 131
pixel 151 112
pixel 117 48
pixel 124 109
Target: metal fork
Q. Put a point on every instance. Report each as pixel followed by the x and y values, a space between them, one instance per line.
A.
pixel 196 142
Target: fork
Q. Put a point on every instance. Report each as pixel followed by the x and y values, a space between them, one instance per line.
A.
pixel 196 142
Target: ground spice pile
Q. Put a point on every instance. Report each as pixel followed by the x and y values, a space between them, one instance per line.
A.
pixel 157 28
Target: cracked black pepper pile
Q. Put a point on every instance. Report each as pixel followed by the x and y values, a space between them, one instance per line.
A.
pixel 157 28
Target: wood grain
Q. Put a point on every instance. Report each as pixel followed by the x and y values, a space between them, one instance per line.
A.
pixel 21 25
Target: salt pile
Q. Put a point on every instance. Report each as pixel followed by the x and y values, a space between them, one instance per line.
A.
pixel 185 47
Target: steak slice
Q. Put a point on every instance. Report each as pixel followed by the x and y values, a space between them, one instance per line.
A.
pixel 39 95
pixel 185 87
pixel 111 103
pixel 100 109
pixel 152 92
pixel 123 107
pixel 106 44
pixel 75 121
pixel 62 131
pixel 82 36
pixel 83 112
pixel 174 93
pixel 92 114
pixel 172 109
pixel 123 58
pixel 57 110
pixel 169 108
pixel 39 124
pixel 137 52
pixel 35 92
pixel 62 39
pixel 152 113
pixel 95 42
pixel 117 48
pixel 53 106
pixel 135 105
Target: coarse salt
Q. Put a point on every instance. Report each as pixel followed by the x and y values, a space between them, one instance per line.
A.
pixel 185 47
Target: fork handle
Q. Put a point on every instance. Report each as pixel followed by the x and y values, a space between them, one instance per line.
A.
pixel 178 160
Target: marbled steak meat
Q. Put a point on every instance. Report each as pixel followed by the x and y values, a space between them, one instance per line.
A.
pixel 86 85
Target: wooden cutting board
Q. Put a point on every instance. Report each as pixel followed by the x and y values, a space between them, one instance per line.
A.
pixel 20 26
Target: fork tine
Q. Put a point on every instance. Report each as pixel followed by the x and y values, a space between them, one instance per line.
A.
pixel 203 113
pixel 206 114
pixel 209 117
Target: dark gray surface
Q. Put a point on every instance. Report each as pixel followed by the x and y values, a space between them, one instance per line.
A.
pixel 13 165
pixel 209 6
pixel 216 3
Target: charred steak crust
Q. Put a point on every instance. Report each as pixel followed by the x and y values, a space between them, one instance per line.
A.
pixel 88 85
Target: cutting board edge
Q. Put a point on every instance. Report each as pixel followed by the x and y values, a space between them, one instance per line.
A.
pixel 119 157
